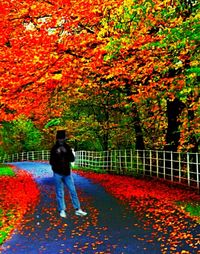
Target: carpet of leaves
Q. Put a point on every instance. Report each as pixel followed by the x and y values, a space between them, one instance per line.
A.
pixel 155 203
pixel 18 194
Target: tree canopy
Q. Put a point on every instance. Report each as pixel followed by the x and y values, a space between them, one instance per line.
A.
pixel 120 68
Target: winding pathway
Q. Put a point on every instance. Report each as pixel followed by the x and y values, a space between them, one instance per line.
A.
pixel 109 228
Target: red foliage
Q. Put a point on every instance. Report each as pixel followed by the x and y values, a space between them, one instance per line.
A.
pixel 125 187
pixel 17 195
pixel 20 192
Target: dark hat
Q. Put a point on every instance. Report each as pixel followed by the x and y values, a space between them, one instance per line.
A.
pixel 60 134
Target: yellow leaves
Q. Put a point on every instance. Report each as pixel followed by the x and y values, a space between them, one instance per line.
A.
pixel 83 59
pixel 193 75
pixel 110 76
pixel 194 63
pixel 197 16
pixel 178 21
pixel 36 59
pixel 57 76
pixel 23 11
pixel 34 6
pixel 44 78
pixel 102 33
pixel 54 55
pixel 128 2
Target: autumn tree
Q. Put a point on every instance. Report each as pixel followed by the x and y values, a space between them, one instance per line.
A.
pixel 152 44
pixel 57 52
pixel 20 135
pixel 144 51
pixel 42 45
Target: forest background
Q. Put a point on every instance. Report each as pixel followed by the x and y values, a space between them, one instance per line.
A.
pixel 115 74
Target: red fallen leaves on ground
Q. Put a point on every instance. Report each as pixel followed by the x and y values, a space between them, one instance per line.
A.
pixel 18 194
pixel 154 202
pixel 127 187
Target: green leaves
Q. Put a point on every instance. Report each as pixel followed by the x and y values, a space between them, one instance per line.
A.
pixel 53 122
pixel 20 135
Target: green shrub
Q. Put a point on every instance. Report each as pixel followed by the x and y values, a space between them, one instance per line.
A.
pixel 193 208
pixel 6 170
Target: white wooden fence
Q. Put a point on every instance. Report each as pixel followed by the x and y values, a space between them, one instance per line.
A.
pixel 183 168
pixel 26 156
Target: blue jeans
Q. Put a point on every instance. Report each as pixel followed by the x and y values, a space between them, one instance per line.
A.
pixel 68 181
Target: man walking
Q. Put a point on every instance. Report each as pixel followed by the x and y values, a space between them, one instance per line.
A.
pixel 61 157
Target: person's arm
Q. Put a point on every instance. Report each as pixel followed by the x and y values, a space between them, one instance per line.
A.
pixel 71 157
pixel 70 154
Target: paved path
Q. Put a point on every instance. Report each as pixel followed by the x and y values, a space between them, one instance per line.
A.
pixel 109 228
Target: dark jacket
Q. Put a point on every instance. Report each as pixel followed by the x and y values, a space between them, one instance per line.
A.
pixel 60 157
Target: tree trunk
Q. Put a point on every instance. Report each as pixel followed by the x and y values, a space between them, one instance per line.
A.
pixel 174 109
pixel 192 139
pixel 139 144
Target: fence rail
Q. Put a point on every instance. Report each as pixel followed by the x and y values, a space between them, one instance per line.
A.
pixel 26 156
pixel 183 168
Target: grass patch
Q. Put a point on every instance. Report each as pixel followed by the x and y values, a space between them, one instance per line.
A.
pixel 6 170
pixel 4 228
pixel 193 208
pixel 4 233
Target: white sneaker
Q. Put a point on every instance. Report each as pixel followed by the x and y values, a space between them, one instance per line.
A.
pixel 63 214
pixel 79 212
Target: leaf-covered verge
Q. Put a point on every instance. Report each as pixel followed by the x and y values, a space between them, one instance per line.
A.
pixel 172 211
pixel 18 194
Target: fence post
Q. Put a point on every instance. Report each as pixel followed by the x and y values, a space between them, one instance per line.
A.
pixel 150 162
pixel 197 164
pixel 179 167
pixel 137 161
pixel 171 158
pixel 111 160
pixel 164 165
pixel 115 162
pixel 125 161
pixel 80 159
pixel 120 161
pixel 83 158
pixel 188 169
pixel 157 166
pixel 143 162
pixel 107 158
pixel 131 159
